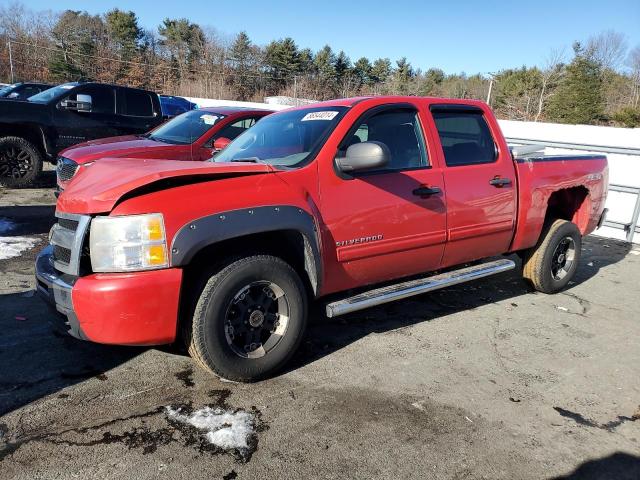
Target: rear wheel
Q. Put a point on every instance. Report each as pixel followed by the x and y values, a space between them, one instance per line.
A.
pixel 249 319
pixel 551 264
pixel 20 162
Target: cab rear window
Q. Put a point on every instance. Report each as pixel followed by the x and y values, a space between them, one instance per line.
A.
pixel 465 137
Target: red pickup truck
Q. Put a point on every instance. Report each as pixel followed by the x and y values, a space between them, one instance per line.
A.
pixel 349 196
pixel 194 135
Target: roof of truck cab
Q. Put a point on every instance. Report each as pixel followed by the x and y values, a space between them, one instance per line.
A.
pixel 350 102
pixel 233 110
pixel 113 85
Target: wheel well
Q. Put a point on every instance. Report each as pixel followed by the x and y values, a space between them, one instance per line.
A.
pixel 289 245
pixel 572 204
pixel 29 133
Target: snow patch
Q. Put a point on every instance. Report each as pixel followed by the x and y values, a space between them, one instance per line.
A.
pixel 13 246
pixel 223 428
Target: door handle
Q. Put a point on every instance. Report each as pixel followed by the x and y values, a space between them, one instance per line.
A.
pixel 425 191
pixel 499 182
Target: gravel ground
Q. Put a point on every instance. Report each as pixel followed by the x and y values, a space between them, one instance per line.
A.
pixel 483 380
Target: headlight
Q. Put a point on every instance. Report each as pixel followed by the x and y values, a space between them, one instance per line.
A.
pixel 128 243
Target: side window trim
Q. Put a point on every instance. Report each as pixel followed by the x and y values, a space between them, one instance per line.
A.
pixel 378 109
pixel 462 109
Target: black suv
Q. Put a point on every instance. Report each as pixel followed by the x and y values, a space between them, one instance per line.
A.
pixel 37 129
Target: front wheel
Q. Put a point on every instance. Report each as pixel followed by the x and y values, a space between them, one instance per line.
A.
pixel 551 264
pixel 249 319
pixel 20 162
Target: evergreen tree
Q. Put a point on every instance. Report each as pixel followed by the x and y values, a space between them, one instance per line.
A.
pixel 184 41
pixel 124 31
pixel 381 70
pixel 431 82
pixel 362 71
pixel 402 76
pixel 305 61
pixel 342 66
pixel 578 99
pixel 324 62
pixel 62 68
pixel 283 60
pixel 241 53
pixel 76 35
pixel 517 92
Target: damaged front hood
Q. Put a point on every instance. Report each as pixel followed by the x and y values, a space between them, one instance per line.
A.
pixel 101 185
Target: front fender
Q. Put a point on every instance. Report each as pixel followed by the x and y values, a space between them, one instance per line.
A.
pixel 198 234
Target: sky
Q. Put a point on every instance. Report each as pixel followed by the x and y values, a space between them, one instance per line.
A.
pixel 456 36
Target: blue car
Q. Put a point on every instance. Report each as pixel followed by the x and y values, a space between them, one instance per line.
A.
pixel 172 106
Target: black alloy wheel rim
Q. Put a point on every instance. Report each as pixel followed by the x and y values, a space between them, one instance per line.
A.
pixel 256 319
pixel 15 162
pixel 563 258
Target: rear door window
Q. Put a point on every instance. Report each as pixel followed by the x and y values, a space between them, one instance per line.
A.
pixel 465 137
pixel 137 103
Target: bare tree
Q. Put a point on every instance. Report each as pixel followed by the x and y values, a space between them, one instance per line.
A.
pixel 633 62
pixel 608 48
pixel 551 73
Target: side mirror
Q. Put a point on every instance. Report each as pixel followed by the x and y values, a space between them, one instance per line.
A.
pixel 82 104
pixel 221 143
pixel 364 156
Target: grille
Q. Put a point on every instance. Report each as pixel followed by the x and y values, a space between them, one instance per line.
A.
pixel 68 224
pixel 61 254
pixel 66 169
pixel 68 240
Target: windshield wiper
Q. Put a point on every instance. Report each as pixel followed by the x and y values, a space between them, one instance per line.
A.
pixel 162 140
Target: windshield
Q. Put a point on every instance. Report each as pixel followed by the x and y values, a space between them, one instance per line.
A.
pixel 186 128
pixel 284 139
pixel 4 91
pixel 51 93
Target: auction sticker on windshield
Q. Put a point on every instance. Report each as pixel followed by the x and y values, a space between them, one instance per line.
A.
pixel 319 116
pixel 209 119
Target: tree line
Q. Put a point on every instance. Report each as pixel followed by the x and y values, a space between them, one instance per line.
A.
pixel 598 82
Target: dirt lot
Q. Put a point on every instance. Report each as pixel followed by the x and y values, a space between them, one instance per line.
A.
pixel 485 380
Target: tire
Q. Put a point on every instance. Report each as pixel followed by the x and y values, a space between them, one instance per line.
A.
pixel 235 332
pixel 550 265
pixel 20 162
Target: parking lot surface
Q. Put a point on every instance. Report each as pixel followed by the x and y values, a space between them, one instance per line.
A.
pixel 483 380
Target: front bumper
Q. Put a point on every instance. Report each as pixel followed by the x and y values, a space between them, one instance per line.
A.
pixel 139 308
pixel 55 288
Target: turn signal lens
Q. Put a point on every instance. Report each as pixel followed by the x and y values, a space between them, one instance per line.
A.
pixel 156 255
pixel 155 229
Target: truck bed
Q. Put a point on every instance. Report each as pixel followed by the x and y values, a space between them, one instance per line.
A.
pixel 540 179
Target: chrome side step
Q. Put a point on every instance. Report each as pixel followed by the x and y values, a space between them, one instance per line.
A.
pixel 402 290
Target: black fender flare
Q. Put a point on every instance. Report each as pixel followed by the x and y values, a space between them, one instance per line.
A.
pixel 211 229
